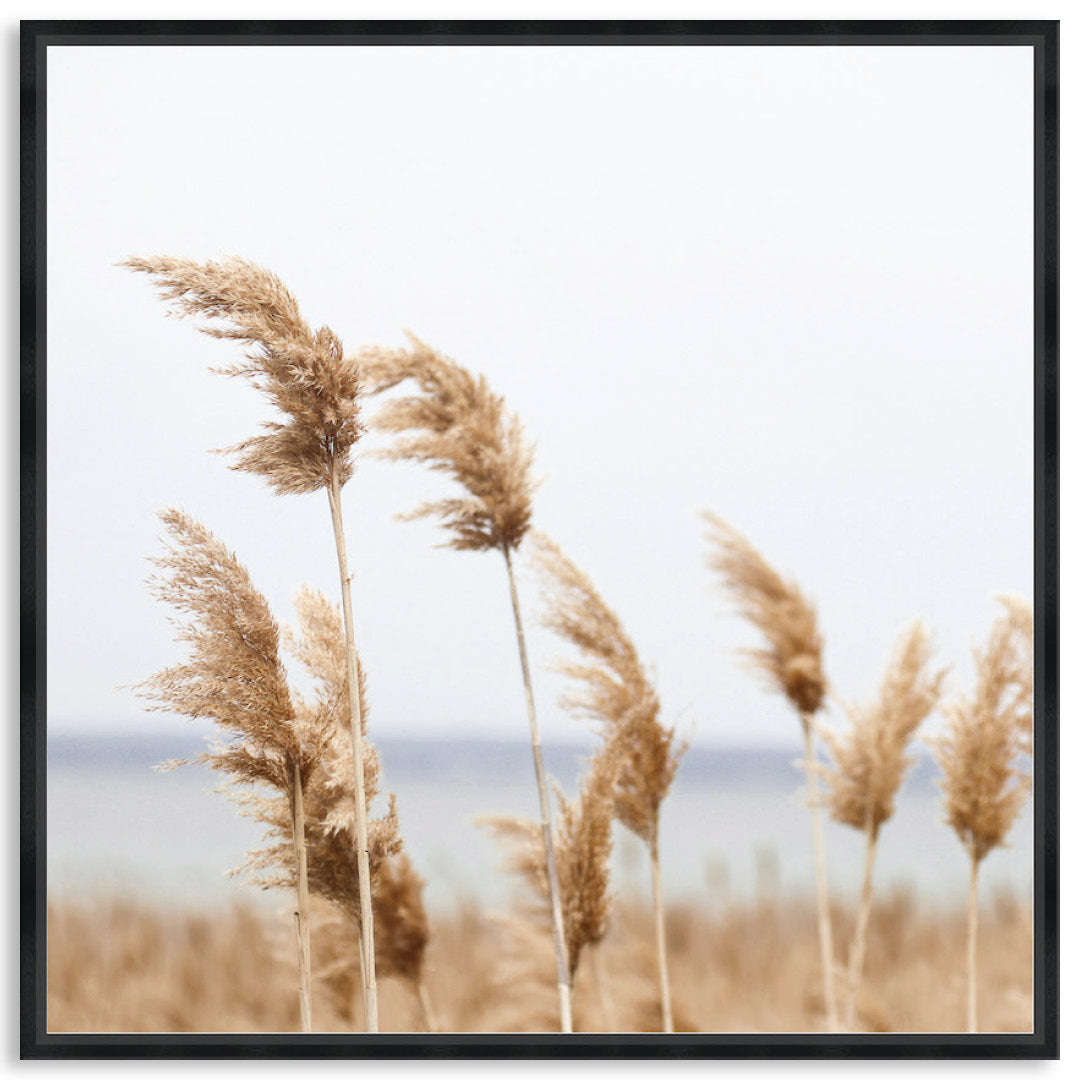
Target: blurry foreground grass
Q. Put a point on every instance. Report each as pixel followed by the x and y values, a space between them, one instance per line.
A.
pixel 115 966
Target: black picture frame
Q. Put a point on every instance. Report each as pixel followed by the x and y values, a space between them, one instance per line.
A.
pixel 38 36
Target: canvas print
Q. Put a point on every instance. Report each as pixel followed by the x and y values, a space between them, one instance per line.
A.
pixel 540 540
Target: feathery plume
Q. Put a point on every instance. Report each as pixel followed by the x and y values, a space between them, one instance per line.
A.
pixel 321 648
pixel 792 662
pixel 583 844
pixel 613 688
pixel 1021 618
pixel 304 373
pixel 456 424
pixel 871 759
pixel 980 753
pixel 401 925
pixel 614 691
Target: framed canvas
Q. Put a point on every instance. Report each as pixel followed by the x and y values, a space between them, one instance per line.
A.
pixel 707 703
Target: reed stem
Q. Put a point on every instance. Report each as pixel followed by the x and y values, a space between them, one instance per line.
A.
pixel 367 932
pixel 858 945
pixel 661 938
pixel 824 920
pixel 562 969
pixel 427 1017
pixel 973 926
pixel 303 923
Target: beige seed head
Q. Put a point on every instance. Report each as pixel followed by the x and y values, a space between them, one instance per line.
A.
pixel 1021 618
pixel 981 754
pixel 871 759
pixel 613 688
pixel 792 662
pixel 233 674
pixel 455 424
pixel 330 807
pixel 583 844
pixel 304 373
pixel 401 925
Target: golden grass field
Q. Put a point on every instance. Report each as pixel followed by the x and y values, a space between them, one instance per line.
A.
pixel 116 966
pixel 575 960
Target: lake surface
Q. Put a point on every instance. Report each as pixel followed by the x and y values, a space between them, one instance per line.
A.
pixel 734 826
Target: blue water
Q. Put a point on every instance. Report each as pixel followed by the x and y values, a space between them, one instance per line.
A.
pixel 734 826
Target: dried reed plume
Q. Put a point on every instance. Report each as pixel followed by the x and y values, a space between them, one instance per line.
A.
pixel 457 425
pixel 308 379
pixel 1022 619
pixel 303 373
pixel 615 691
pixel 320 646
pixel 583 844
pixel 234 676
pixel 870 763
pixel 792 665
pixel 454 423
pixel 981 756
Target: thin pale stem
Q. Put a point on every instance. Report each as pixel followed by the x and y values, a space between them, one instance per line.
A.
pixel 427 1017
pixel 824 920
pixel 661 937
pixel 367 931
pixel 303 923
pixel 972 933
pixel 858 944
pixel 562 969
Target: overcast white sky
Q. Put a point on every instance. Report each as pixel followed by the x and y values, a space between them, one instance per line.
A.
pixel 792 285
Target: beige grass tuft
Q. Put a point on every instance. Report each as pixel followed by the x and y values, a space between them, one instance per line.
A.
pixel 614 691
pixel 456 424
pixel 791 664
pixel 583 845
pixel 304 373
pixel 983 758
pixel 871 759
pixel 870 762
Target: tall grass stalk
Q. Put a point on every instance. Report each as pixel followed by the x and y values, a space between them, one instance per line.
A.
pixel 363 854
pixel 857 953
pixel 661 938
pixel 307 378
pixel 870 761
pixel 303 913
pixel 821 876
pixel 791 664
pixel 558 927
pixel 455 424
pixel 613 689
pixel 972 945
pixel 984 757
